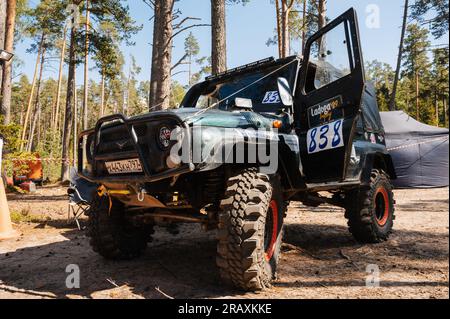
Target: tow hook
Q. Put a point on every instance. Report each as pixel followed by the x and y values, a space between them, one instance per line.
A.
pixel 141 195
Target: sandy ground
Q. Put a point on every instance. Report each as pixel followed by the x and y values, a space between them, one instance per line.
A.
pixel 320 258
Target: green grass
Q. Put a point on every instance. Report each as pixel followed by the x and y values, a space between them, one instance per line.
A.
pixel 25 217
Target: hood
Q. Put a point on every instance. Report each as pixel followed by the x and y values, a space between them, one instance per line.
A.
pixel 219 118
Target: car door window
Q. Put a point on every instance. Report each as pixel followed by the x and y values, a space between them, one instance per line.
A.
pixel 331 57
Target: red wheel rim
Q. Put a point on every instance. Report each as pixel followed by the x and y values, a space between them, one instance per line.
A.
pixel 273 218
pixel 382 206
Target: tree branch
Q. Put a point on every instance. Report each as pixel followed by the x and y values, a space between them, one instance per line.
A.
pixel 187 28
pixel 179 61
pixel 178 25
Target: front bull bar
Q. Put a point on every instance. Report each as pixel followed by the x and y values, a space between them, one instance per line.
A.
pixel 129 124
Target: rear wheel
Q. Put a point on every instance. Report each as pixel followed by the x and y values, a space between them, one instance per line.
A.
pixel 370 211
pixel 250 230
pixel 112 235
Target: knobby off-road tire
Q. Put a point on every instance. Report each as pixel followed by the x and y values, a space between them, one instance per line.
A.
pixel 250 230
pixel 112 236
pixel 370 211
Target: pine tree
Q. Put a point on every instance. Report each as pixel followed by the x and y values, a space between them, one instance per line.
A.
pixel 415 62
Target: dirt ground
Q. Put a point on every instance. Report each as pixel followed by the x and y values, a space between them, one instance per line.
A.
pixel 320 258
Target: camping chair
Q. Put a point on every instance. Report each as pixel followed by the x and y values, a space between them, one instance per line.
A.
pixel 80 197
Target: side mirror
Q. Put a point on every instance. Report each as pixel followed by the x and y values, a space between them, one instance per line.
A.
pixel 285 92
pixel 242 103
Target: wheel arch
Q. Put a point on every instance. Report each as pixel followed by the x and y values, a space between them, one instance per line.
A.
pixel 288 166
pixel 377 161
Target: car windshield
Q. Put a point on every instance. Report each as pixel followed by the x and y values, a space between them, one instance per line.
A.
pixel 260 87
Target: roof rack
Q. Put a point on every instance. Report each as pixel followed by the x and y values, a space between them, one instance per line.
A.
pixel 240 69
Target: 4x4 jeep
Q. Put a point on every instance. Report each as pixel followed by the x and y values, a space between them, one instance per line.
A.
pixel 242 146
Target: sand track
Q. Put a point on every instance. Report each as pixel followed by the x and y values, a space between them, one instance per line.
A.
pixel 320 259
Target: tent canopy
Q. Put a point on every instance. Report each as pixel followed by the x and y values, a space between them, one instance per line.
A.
pixel 420 152
pixel 400 124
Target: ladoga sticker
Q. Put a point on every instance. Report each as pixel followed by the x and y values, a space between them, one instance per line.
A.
pixel 326 137
pixel 327 111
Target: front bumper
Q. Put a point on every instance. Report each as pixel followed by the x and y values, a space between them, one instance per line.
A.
pixel 96 176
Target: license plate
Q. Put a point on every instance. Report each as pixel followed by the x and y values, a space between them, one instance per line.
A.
pixel 124 167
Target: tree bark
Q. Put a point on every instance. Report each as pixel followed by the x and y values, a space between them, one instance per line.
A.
pixel 279 36
pixel 60 75
pixel 75 118
pixel 102 95
pixel 392 106
pixel 436 104
pixel 445 112
pixel 162 97
pixel 417 97
pixel 86 71
pixel 322 13
pixel 2 35
pixel 67 131
pixel 305 25
pixel 7 70
pixel 31 146
pixel 219 36
pixel 30 99
pixel 286 8
pixel 155 54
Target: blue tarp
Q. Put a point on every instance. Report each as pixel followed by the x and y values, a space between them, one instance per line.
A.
pixel 420 152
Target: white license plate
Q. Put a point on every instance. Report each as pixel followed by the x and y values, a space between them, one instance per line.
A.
pixel 124 167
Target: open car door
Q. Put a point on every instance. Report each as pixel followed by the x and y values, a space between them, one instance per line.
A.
pixel 328 99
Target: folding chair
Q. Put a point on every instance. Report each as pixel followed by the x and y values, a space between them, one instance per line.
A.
pixel 80 197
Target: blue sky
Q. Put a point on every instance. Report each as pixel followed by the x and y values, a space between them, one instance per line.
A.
pixel 249 27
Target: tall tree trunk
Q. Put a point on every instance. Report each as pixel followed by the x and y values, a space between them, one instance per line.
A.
pixel 75 118
pixel 286 8
pixel 86 71
pixel 279 35
pixel 322 13
pixel 285 43
pixel 31 146
pixel 102 95
pixel 67 131
pixel 155 54
pixel 162 97
pixel 60 75
pixel 417 97
pixel 30 99
pixel 445 112
pixel 305 25
pixel 7 70
pixel 219 36
pixel 392 105
pixel 127 108
pixel 2 34
pixel 190 70
pixel 436 105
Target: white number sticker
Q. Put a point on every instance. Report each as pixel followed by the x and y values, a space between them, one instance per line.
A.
pixel 325 137
pixel 272 97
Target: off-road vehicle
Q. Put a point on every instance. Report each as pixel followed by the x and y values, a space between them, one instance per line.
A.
pixel 243 145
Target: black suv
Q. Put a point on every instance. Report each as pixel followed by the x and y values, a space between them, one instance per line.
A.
pixel 242 146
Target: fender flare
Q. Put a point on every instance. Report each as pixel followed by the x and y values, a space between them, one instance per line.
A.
pixel 377 160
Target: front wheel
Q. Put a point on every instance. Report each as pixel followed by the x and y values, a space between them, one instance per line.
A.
pixel 370 211
pixel 112 235
pixel 250 230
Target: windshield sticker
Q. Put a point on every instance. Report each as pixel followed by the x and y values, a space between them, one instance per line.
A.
pixel 272 97
pixel 325 112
